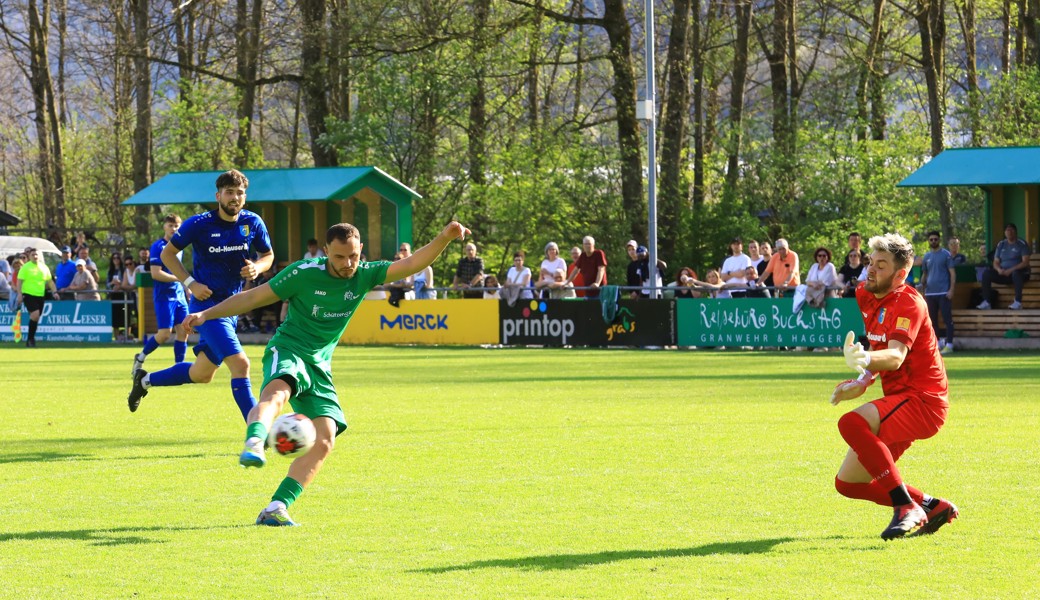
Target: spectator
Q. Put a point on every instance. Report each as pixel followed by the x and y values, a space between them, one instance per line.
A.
pixel 470 273
pixel 576 279
pixel 401 289
pixel 592 265
pixel 560 288
pixel 117 294
pixel 423 284
pixel 518 281
pixel 16 260
pixel 955 251
pixel 83 282
pixel 713 285
pixel 5 268
pixel 33 280
pixel 766 251
pixel 5 282
pixel 551 262
pixel 937 284
pixel 755 255
pixel 822 275
pixel 753 289
pixel 855 243
pixel 643 273
pixel 143 260
pixel 733 268
pixel 129 284
pixel 314 251
pixel 1010 266
pixel 84 254
pixel 850 273
pixel 683 284
pixel 783 267
pixel 65 271
pixel 491 293
pixel 632 278
pixel 80 242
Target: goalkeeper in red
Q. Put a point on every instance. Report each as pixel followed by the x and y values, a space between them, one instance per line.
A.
pixel 905 354
pixel 322 294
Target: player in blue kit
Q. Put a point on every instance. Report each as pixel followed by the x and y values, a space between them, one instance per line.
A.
pixel 169 301
pixel 223 242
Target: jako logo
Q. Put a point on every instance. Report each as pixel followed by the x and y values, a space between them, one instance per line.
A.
pixel 537 324
pixel 411 322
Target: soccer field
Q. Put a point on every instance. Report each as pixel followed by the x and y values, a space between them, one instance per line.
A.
pixel 509 473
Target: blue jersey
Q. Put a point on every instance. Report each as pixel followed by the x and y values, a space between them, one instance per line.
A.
pixel 220 249
pixel 164 290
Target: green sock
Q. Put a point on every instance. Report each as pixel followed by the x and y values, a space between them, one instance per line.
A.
pixel 256 429
pixel 288 491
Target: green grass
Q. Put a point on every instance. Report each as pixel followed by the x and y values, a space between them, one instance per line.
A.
pixel 509 473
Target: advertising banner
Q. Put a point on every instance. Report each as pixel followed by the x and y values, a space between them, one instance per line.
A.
pixel 64 321
pixel 766 322
pixel 581 323
pixel 471 322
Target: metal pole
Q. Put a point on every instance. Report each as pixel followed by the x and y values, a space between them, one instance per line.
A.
pixel 651 143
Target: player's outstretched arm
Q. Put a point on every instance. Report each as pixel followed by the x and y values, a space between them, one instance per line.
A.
pixel 424 257
pixel 238 304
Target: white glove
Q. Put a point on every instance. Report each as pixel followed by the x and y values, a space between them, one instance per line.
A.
pixel 849 389
pixel 855 356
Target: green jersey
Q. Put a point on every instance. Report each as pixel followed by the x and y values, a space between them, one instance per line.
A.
pixel 320 305
pixel 34 278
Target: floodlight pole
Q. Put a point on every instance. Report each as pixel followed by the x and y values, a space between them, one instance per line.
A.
pixel 651 143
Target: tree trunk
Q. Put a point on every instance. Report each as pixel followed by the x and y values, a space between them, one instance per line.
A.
pixel 619 34
pixel 1005 37
pixel 674 123
pixel 743 11
pixel 477 129
pixel 142 142
pixel 48 134
pixel 1030 27
pixel 966 14
pixel 314 78
pixel 931 23
pixel 697 56
pixel 868 76
pixel 247 49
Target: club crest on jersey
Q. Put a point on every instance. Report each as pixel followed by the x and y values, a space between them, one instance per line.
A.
pixel 881 315
pixel 244 230
pixel 903 323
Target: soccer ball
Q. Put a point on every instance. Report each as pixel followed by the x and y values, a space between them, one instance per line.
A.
pixel 292 434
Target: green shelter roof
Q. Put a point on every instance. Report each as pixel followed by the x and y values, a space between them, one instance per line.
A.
pixel 979 167
pixel 277 185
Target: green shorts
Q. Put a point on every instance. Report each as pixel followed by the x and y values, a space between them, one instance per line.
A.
pixel 313 392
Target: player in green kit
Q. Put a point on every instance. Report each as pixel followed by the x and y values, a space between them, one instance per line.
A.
pixel 322 294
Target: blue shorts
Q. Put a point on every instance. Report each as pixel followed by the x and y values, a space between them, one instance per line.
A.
pixel 170 312
pixel 217 338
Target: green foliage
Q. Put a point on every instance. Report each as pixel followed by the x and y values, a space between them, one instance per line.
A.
pixel 659 480
pixel 1010 110
pixel 197 130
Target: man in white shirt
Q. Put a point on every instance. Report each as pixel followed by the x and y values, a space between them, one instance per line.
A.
pixel 734 266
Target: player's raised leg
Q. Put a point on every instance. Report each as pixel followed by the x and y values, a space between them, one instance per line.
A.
pixel 200 371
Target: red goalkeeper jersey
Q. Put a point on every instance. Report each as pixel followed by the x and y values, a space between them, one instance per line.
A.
pixel 902 315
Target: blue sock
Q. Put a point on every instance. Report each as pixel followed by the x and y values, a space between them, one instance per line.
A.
pixel 150 345
pixel 242 390
pixel 175 375
pixel 179 350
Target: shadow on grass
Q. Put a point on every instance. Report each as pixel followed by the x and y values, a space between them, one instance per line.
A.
pixel 116 536
pixel 576 561
pixel 72 456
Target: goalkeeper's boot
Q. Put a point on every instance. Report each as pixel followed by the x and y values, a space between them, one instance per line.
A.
pixel 253 454
pixel 138 391
pixel 278 517
pixel 940 514
pixel 138 363
pixel 905 519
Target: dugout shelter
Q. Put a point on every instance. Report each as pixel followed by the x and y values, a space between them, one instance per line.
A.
pixel 1009 178
pixel 299 204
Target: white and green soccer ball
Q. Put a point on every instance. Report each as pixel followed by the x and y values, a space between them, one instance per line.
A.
pixel 292 435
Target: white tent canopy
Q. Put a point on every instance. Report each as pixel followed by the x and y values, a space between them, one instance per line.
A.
pixel 11 244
